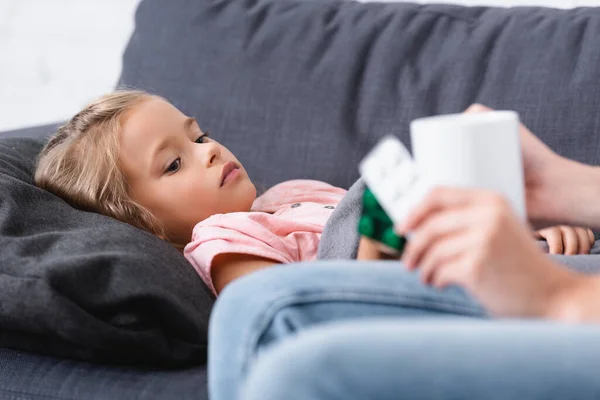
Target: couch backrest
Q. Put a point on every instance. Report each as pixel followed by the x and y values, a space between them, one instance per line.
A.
pixel 299 88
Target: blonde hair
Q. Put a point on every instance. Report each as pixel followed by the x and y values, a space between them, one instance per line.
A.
pixel 80 162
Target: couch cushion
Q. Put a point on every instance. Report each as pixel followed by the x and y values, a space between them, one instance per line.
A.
pixel 82 285
pixel 39 132
pixel 301 88
pixel 26 376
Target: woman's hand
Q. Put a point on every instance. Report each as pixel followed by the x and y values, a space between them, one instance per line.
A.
pixel 472 238
pixel 558 190
pixel 568 240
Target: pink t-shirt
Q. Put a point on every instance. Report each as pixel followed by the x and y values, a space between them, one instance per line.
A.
pixel 285 225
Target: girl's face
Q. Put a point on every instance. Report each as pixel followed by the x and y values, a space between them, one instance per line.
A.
pixel 174 170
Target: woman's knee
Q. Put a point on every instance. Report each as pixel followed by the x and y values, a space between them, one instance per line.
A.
pixel 294 369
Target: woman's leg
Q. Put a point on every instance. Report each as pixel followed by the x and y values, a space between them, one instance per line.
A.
pixel 271 305
pixel 431 359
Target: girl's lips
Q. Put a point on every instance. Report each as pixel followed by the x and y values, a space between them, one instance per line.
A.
pixel 230 172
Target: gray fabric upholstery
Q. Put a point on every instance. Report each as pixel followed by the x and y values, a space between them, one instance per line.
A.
pixel 25 376
pixel 34 132
pixel 304 88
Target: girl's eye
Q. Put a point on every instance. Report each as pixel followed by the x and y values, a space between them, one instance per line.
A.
pixel 174 166
pixel 202 138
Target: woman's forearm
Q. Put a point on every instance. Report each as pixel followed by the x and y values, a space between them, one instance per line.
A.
pixel 585 196
pixel 572 194
pixel 576 201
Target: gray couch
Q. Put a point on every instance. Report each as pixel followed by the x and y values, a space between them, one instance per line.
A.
pixel 296 89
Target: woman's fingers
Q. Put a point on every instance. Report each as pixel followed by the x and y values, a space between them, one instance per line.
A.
pixel 436 200
pixel 441 198
pixel 442 253
pixel 477 108
pixel 452 273
pixel 437 226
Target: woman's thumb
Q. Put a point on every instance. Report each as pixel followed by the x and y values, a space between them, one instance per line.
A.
pixel 476 108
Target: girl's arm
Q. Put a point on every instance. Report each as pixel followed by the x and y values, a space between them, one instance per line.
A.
pixel 368 249
pixel 230 266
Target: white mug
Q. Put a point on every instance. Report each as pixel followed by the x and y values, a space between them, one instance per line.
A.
pixel 476 150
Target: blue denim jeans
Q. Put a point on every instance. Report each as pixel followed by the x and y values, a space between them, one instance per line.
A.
pixel 371 330
pixel 431 359
pixel 266 307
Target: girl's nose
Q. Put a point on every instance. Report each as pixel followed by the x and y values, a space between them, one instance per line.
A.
pixel 212 153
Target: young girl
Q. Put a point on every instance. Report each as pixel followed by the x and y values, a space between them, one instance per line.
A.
pixel 135 157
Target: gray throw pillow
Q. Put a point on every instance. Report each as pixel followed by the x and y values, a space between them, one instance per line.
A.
pixel 78 284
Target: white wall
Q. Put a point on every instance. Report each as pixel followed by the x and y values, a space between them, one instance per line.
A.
pixel 56 55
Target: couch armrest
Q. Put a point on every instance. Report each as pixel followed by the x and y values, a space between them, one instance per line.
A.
pixel 39 131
